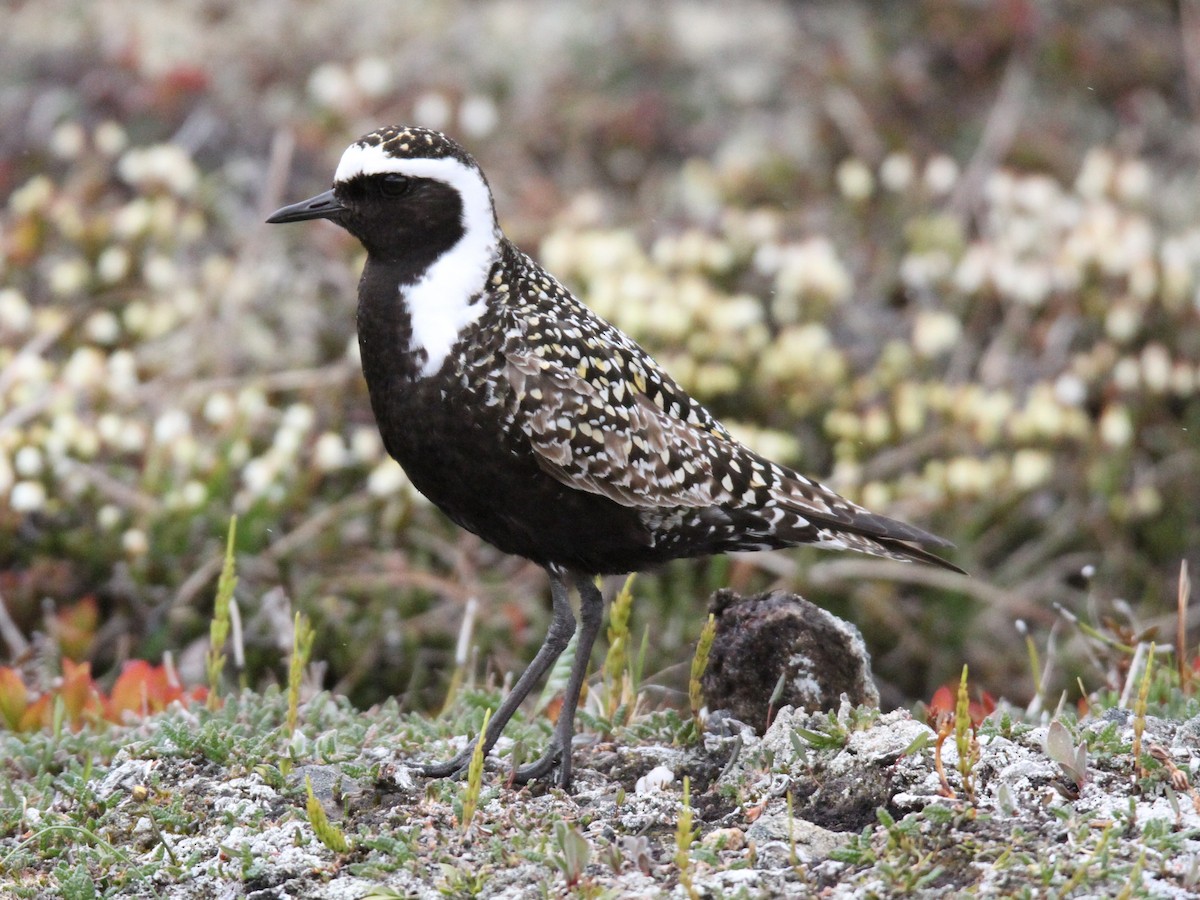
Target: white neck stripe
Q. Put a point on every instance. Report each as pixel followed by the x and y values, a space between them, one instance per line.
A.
pixel 440 303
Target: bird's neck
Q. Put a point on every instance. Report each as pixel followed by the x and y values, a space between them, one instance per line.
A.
pixel 409 321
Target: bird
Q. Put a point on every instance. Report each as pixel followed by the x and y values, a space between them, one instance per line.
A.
pixel 537 425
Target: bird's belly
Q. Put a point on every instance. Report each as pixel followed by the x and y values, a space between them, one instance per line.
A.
pixel 484 477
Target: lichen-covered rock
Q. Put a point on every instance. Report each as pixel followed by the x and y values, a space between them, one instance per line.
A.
pixel 762 638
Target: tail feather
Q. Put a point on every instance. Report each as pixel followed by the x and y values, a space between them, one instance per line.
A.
pixel 870 533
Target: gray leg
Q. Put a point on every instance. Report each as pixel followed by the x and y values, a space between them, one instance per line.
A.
pixel 562 626
pixel 591 614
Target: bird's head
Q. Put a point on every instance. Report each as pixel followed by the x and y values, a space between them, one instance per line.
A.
pixel 409 195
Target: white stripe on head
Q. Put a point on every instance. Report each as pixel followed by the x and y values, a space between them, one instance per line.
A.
pixel 440 303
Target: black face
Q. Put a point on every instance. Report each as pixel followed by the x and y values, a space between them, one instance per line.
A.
pixel 398 219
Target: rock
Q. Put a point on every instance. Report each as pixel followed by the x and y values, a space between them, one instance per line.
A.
pixel 762 637
pixel 732 839
pixel 811 842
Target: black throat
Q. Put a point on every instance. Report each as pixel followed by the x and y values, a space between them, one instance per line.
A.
pixel 385 324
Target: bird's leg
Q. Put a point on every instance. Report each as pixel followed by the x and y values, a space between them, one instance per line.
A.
pixel 591 614
pixel 562 626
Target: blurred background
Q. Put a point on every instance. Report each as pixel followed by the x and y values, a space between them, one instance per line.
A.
pixel 944 255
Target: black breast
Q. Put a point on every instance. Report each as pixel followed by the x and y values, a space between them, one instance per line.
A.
pixel 454 435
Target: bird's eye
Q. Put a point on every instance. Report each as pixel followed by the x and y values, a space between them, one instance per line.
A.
pixel 394 185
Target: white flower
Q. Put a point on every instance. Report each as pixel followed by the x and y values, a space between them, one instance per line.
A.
pixel 103 327
pixel 941 174
pixel 478 116
pixel 298 416
pixel 1095 175
pixel 109 516
pixel 135 543
pixel 331 86
pixel 329 452
pixel 1156 368
pixel 365 444
pixel 193 494
pixel 67 140
pixel 1116 426
pixel 386 479
pixel 897 171
pixel 27 496
pixel 219 408
pixel 259 474
pixel 1133 181
pixel 1070 390
pixel 172 424
pixel 855 180
pixel 15 312
pixel 935 332
pixel 1031 468
pixel 1123 321
pixel 165 165
pixel 109 138
pixel 160 272
pixel 28 462
pixel 122 372
pixel 373 76
pixel 69 276
pixel 432 109
pixel 85 369
pixel 31 197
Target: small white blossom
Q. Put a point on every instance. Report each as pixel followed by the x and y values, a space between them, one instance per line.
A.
pixel 1031 468
pixel 15 312
pixel 27 496
pixel 432 109
pixel 85 369
pixel 103 327
pixel 365 444
pixel 935 332
pixel 330 453
pixel 1133 181
pixel 28 462
pixel 31 197
pixel 386 479
pixel 941 174
pixel 1156 368
pixel 897 171
pixel 373 76
pixel 122 372
pixel 478 115
pixel 171 425
pixel 219 408
pixel 109 516
pixel 69 276
pixel 193 494
pixel 163 165
pixel 135 543
pixel 67 141
pixel 1095 175
pixel 109 138
pixel 1116 426
pixel 299 416
pixel 854 180
pixel 331 87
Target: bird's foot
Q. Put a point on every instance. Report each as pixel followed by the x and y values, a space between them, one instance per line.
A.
pixel 455 766
pixel 539 768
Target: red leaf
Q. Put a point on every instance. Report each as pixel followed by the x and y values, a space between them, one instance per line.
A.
pixel 82 700
pixel 14 697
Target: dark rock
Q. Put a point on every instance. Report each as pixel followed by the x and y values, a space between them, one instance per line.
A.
pixel 766 636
